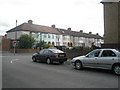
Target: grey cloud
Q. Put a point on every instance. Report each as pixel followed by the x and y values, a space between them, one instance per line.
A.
pixel 2 31
pixel 3 24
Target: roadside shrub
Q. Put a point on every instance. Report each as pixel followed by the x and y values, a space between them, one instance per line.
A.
pixel 77 51
pixel 43 44
pixel 25 42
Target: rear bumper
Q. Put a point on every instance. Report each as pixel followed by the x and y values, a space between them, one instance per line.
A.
pixel 59 59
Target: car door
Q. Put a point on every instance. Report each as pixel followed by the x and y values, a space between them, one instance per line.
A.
pixel 91 59
pixel 40 55
pixel 106 59
pixel 45 55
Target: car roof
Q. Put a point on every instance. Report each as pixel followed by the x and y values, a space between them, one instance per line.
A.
pixel 106 49
pixel 56 50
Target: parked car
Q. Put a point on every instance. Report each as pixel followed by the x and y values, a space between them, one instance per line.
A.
pixel 50 56
pixel 99 58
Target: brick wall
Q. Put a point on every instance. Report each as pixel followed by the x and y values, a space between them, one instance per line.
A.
pixel 26 50
pixel 6 44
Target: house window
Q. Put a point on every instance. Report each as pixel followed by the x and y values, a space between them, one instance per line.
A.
pixel 56 37
pixel 48 35
pixel 57 43
pixel 52 36
pixel 76 38
pixel 64 43
pixel 44 36
pixel 64 38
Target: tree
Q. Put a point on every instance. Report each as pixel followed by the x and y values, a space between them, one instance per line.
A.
pixel 43 44
pixel 25 41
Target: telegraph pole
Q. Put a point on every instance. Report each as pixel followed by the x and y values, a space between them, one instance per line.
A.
pixel 15 41
pixel 16 31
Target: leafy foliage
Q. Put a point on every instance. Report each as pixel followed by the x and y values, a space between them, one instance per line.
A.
pixel 43 44
pixel 77 51
pixel 25 41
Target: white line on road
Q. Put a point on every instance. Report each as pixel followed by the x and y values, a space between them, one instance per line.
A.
pixel 13 60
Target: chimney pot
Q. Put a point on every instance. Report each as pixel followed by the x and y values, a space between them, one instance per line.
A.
pixel 53 26
pixel 81 31
pixel 69 29
pixel 97 33
pixel 30 21
pixel 90 32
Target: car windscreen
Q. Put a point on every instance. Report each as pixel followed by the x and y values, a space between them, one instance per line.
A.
pixel 56 51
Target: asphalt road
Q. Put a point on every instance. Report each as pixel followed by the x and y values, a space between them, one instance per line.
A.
pixel 18 71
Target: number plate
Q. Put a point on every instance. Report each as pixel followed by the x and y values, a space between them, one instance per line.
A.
pixel 62 55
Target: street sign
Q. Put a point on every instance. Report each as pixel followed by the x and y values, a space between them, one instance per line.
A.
pixel 14 43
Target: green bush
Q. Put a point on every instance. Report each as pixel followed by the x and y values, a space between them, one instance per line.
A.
pixel 77 51
pixel 43 44
pixel 25 42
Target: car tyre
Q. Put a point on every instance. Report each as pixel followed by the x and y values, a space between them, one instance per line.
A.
pixel 116 69
pixel 78 65
pixel 34 59
pixel 48 61
pixel 61 62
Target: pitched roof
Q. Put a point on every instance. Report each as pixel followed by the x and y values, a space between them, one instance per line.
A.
pixel 78 34
pixel 110 0
pixel 46 29
pixel 34 28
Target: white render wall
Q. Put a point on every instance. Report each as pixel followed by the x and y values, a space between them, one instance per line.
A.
pixel 11 35
pixel 58 39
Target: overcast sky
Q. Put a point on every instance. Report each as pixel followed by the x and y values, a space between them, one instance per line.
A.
pixel 86 15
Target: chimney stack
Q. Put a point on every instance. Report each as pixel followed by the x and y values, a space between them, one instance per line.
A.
pixel 90 32
pixel 53 26
pixel 69 29
pixel 97 33
pixel 81 31
pixel 30 21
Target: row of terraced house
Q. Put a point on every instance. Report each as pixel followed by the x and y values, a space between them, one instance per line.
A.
pixel 55 36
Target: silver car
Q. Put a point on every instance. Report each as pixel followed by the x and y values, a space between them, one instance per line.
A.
pixel 99 58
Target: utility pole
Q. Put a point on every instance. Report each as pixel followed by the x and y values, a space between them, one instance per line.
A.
pixel 16 31
pixel 15 41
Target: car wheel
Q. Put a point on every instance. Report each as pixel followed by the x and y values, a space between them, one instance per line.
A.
pixel 61 62
pixel 78 65
pixel 34 59
pixel 116 69
pixel 48 61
